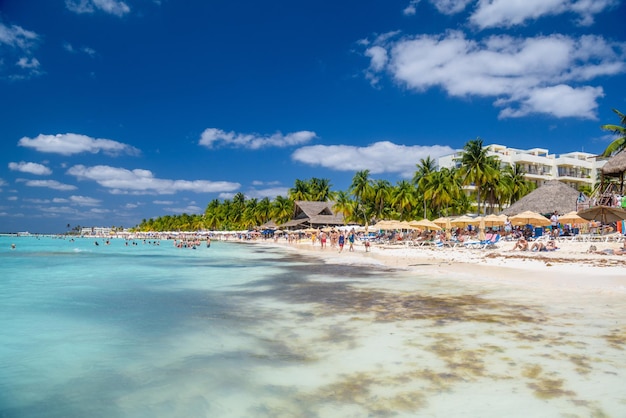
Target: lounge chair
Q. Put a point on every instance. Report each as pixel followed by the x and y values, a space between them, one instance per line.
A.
pixel 473 243
pixel 490 243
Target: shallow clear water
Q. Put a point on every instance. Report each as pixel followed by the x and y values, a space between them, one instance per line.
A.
pixel 240 330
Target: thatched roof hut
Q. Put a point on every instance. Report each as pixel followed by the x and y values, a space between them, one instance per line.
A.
pixel 313 214
pixel 552 195
pixel 615 166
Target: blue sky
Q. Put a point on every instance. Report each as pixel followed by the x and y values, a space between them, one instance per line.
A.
pixel 115 111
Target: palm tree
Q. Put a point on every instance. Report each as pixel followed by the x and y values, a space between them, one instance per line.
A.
pixel 493 188
pixel 249 217
pixel 197 222
pixel 264 210
pixel 381 194
pixel 282 209
pixel 424 168
pixel 403 198
pixel 361 189
pixel 513 184
pixel 441 188
pixel 344 205
pixel 299 191
pixel 620 143
pixel 320 189
pixel 476 166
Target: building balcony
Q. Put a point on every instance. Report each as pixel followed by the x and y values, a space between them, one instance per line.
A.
pixel 538 176
pixel 532 159
pixel 576 179
pixel 573 162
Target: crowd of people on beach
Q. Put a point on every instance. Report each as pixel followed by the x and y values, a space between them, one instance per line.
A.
pixel 335 238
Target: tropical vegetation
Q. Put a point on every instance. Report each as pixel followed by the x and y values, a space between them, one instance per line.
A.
pixel 619 143
pixel 480 183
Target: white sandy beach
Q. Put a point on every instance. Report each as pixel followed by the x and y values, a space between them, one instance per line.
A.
pixel 571 266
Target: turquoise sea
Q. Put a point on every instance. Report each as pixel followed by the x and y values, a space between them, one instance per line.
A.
pixel 243 330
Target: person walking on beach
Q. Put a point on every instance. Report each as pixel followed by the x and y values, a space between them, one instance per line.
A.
pixel 351 240
pixel 554 220
pixel 323 240
pixel 341 241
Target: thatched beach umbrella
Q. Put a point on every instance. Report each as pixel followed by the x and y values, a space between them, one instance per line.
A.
pixel 494 220
pixel 572 218
pixel 605 214
pixel 425 223
pixel 551 196
pixel 465 220
pixel 481 229
pixel 615 167
pixel 529 218
pixel 442 221
pixel 382 225
pixel 408 225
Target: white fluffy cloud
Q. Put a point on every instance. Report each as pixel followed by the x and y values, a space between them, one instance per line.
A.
pixel 69 144
pixel 507 13
pixel 379 157
pixel 521 74
pixel 32 168
pixel 84 201
pixel 214 137
pixel 411 9
pixel 50 184
pixel 17 37
pixel 138 181
pixel 270 192
pixel 17 61
pixel 450 7
pixel 114 7
pixel 187 209
pixel 571 101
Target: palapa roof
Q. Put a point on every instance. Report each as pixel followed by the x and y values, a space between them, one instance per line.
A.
pixel 616 165
pixel 552 195
pixel 314 214
pixel 307 209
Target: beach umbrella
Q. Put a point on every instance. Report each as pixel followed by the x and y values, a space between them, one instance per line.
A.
pixel 465 220
pixel 442 221
pixel 406 225
pixel 572 218
pixel 481 229
pixel 605 214
pixel 494 220
pixel 529 218
pixel 385 225
pixel 448 227
pixel 425 223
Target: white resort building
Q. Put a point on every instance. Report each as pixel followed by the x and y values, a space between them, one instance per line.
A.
pixel 575 169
